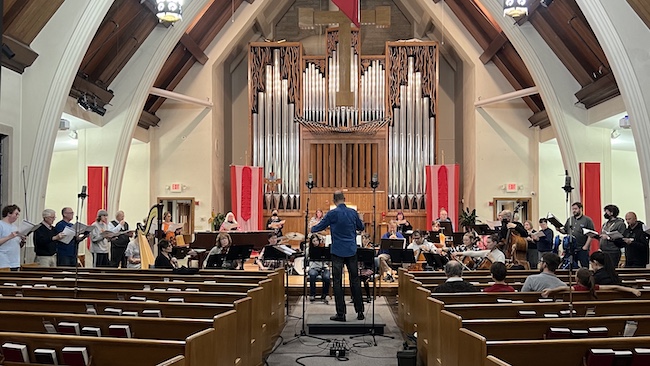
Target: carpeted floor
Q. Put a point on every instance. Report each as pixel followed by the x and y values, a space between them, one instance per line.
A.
pixel 361 351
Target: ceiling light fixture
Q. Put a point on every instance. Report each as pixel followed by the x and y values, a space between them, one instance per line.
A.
pixel 515 8
pixel 169 11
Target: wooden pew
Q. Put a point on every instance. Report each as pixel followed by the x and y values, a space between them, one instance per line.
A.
pixel 174 361
pixel 560 352
pixel 197 349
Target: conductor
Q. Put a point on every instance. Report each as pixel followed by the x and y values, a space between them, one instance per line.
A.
pixel 344 223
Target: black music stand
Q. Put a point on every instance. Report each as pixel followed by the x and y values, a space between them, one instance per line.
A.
pixel 401 256
pixel 240 253
pixel 457 238
pixel 435 261
pixel 387 244
pixel 483 229
pixel 215 261
pixel 433 236
pixel 180 252
pixel 367 255
pixel 446 227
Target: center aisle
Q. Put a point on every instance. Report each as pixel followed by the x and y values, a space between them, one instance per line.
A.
pixel 360 350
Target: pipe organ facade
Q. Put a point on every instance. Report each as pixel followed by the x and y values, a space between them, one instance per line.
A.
pixel 298 129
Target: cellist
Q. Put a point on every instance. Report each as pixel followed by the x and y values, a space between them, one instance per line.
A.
pixel 491 255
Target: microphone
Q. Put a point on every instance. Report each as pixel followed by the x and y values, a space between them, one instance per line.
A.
pixel 83 194
pixel 567 182
pixel 310 181
pixel 374 182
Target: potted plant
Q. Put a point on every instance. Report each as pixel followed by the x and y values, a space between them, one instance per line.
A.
pixel 216 220
pixel 467 218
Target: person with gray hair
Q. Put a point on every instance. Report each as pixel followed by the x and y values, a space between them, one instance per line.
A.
pixel 455 282
pixel 45 240
pixel 120 242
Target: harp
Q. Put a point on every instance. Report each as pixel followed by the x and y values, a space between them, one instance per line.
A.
pixel 146 254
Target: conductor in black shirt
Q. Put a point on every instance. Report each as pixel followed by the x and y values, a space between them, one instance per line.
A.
pixel 455 282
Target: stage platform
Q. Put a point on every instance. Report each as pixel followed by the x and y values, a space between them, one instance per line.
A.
pixel 321 324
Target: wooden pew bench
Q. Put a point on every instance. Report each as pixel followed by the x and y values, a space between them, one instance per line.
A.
pixel 197 349
pixel 558 352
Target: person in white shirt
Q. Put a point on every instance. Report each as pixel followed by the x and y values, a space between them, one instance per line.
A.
pixel 492 252
pixel 420 245
pixel 100 235
pixel 10 239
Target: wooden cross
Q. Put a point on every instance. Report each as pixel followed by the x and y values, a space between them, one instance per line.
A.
pixel 308 18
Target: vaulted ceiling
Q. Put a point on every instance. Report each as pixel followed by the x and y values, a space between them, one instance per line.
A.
pixel 128 23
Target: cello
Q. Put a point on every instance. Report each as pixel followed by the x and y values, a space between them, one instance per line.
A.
pixel 515 245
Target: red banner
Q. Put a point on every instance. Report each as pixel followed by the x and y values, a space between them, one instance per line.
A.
pixel 97 192
pixel 591 198
pixel 443 182
pixel 351 9
pixel 246 184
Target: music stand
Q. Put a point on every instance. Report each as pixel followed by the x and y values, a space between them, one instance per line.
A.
pixel 239 253
pixel 482 229
pixel 433 236
pixel 180 252
pixel 215 261
pixel 367 255
pixel 387 244
pixel 435 261
pixel 320 254
pixel 401 256
pixel 446 228
pixel 457 238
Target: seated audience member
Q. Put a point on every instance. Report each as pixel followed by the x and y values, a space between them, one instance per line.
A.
pixel 604 270
pixel 269 264
pixel 585 282
pixel 455 282
pixel 546 278
pixel 222 245
pixel 383 259
pixel 229 224
pixel 132 254
pixel 492 252
pixel 165 258
pixel 45 239
pixel 318 268
pixel 499 272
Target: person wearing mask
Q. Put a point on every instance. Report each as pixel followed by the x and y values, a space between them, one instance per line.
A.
pixel 275 223
pixel 10 239
pixel 573 227
pixel 614 224
pixel 636 242
pixel 165 259
pixel 45 240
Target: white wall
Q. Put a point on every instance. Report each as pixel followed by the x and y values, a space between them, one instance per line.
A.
pixel 627 191
pixel 134 200
pixel 10 116
pixel 551 178
pixel 62 182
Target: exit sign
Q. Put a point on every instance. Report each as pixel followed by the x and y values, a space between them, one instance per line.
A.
pixel 176 188
pixel 511 187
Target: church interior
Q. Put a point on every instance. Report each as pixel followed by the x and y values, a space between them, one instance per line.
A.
pixel 414 107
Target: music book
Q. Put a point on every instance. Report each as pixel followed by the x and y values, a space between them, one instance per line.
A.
pixel 138 298
pixel 630 328
pixel 600 357
pixel 25 228
pixel 566 313
pixel 554 221
pixel 91 331
pixel 614 235
pixel 590 233
pixel 15 352
pixel 551 315
pixel 46 356
pixel 129 313
pixel 527 313
pixel 176 299
pixel 119 330
pixel 558 333
pixel 538 234
pixel 579 333
pixel 75 356
pixel 622 358
pixel 154 313
pixel 90 310
pixel 49 327
pixel 641 357
pixel 113 311
pixel 174 226
pixel 493 224
pixel 69 328
pixel 598 332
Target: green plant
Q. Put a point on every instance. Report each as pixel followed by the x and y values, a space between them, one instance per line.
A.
pixel 217 220
pixel 467 218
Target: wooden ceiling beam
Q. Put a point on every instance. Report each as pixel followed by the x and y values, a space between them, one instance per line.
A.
pixel 31 19
pixel 493 48
pixel 601 90
pixel 540 119
pixel 642 9
pixel 471 24
pixel 193 48
pixel 86 86
pixel 148 120
pixel 13 10
pixel 532 10
pixel 23 58
pixel 173 84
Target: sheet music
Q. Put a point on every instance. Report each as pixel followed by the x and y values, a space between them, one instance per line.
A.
pixel 493 224
pixel 284 249
pixel 25 228
pixel 68 235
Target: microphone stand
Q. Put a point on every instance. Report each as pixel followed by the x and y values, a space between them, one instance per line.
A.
pixel 81 197
pixel 303 333
pixel 573 249
pixel 373 184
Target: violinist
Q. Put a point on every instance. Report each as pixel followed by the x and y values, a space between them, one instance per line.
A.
pixel 384 257
pixel 492 253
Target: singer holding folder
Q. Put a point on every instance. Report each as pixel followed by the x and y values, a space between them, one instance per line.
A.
pixel 10 239
pixel 344 223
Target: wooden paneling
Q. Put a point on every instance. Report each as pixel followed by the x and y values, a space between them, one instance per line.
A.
pixel 346 165
pixel 26 18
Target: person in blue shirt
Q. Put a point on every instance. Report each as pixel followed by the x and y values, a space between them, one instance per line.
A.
pixel 344 223
pixel 383 259
pixel 66 253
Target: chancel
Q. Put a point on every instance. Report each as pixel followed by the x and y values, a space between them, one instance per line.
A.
pixel 404 133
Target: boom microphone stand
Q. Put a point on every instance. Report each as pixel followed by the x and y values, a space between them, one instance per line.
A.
pixel 374 183
pixel 81 197
pixel 310 185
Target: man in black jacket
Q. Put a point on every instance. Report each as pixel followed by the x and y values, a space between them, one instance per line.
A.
pixel 636 242
pixel 45 240
pixel 120 242
pixel 455 282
